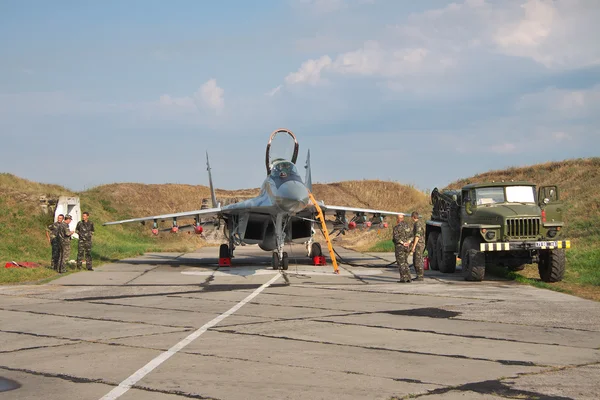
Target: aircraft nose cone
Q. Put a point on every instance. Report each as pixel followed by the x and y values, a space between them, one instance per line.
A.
pixel 292 196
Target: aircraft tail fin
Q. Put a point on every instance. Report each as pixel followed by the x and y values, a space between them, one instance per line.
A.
pixel 308 178
pixel 213 196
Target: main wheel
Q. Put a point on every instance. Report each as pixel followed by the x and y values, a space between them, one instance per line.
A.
pixel 284 261
pixel 275 261
pixel 446 259
pixel 473 265
pixel 431 253
pixel 315 250
pixel 224 251
pixel 552 265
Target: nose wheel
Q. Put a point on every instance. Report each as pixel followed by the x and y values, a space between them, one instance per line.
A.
pixel 280 263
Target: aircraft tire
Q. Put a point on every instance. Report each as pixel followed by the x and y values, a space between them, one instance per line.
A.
pixel 275 261
pixel 285 262
pixel 224 251
pixel 316 250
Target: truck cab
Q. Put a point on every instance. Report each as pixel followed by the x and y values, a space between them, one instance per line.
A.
pixel 510 224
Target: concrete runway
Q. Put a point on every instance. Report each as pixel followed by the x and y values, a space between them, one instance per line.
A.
pixel 175 326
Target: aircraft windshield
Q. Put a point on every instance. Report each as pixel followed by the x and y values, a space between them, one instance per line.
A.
pixel 282 147
pixel 284 169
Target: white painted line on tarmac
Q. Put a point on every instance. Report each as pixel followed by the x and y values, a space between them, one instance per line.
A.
pixel 161 358
pixel 241 271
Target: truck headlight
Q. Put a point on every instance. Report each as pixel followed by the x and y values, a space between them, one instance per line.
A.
pixel 552 233
pixel 490 235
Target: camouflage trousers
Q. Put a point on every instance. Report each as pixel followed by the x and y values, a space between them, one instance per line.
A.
pixel 84 251
pixel 401 259
pixel 418 259
pixel 65 254
pixel 55 253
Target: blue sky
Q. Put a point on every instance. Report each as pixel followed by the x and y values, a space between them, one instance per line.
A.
pixel 421 93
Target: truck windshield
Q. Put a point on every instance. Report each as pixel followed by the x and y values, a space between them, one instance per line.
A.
pixel 491 195
pixel 514 194
pixel 520 194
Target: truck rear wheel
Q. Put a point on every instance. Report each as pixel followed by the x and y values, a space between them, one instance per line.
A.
pixel 446 259
pixel 431 253
pixel 473 265
pixel 552 265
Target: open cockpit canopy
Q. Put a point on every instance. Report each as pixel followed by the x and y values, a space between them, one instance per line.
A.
pixel 282 146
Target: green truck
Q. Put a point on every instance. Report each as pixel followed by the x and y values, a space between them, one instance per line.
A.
pixel 508 224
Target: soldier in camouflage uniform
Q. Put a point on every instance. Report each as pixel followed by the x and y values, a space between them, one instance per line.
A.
pixel 52 235
pixel 64 239
pixel 418 245
pixel 401 237
pixel 85 230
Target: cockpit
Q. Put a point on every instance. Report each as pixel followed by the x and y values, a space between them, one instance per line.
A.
pixel 283 169
pixel 282 147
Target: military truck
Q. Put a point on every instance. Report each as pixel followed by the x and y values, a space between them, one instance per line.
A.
pixel 508 224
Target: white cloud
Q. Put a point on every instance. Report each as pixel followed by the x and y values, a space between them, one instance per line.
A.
pixel 208 97
pixel 211 95
pixel 562 103
pixel 558 35
pixel 372 59
pixel 309 72
pixel 274 91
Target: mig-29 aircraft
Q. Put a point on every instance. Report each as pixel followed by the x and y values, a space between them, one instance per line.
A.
pixel 282 213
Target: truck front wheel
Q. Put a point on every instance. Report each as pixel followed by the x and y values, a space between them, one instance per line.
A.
pixel 473 265
pixel 446 259
pixel 551 265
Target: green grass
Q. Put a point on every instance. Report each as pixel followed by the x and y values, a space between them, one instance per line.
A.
pixel 24 239
pixel 25 275
pixel 583 263
pixel 382 246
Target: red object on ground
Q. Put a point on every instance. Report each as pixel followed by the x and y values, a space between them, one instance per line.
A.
pixel 385 224
pixel 26 264
pixel 319 260
pixel 155 231
pixel 426 263
pixel 351 225
pixel 225 262
pixel 198 229
pixel 174 229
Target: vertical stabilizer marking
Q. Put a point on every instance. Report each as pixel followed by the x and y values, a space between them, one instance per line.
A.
pixel 308 178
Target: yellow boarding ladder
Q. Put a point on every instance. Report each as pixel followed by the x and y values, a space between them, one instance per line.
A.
pixel 329 246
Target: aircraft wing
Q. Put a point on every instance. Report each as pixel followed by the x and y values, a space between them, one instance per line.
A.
pixel 330 210
pixel 207 212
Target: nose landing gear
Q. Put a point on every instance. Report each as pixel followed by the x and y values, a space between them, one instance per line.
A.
pixel 277 263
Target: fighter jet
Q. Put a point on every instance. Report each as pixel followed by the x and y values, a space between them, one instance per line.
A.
pixel 282 213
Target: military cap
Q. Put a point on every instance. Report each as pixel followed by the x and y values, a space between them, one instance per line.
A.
pixel 68 216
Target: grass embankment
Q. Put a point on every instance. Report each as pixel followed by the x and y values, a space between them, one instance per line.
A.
pixel 22 225
pixel 23 237
pixel 577 181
